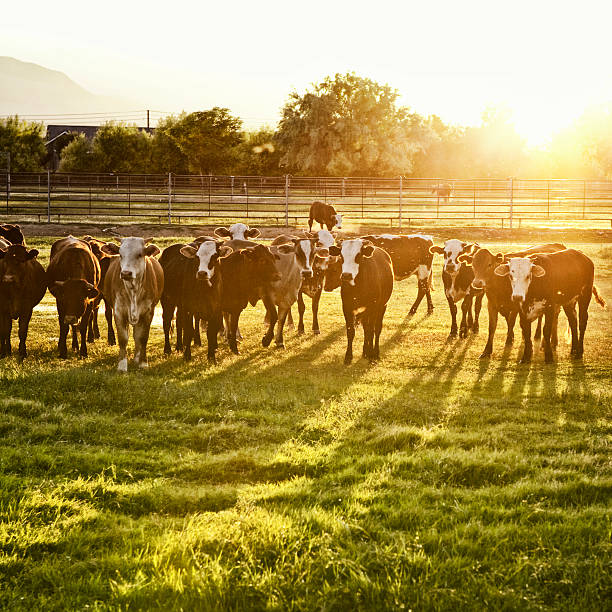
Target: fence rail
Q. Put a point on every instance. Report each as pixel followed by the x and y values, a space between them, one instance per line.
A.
pixel 284 200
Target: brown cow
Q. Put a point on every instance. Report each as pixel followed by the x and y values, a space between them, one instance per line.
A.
pixel 73 277
pixel 498 289
pixel 367 283
pixel 23 284
pixel 444 191
pixel 542 283
pixel 133 285
pixel 324 214
pixel 12 233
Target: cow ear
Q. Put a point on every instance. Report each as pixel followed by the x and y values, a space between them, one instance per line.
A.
pixel 188 251
pixel 152 250
pixel 436 249
pixel 201 239
pixel 224 251
pixel 335 250
pixel 110 248
pixel 32 253
pixel 502 270
pixel 92 292
pixel 466 259
pixel 367 250
pixel 286 249
pixel 499 258
pixel 538 271
pixel 56 288
pixel 252 232
pixel 222 232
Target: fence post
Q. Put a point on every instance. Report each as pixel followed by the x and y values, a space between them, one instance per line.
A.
pixel 48 196
pixel 209 188
pixel 246 190
pixel 474 185
pixel 548 199
pixel 583 198
pixel 511 200
pixel 169 198
pixel 286 200
pixel 8 190
pixel 129 195
pixel 343 187
pixel 401 189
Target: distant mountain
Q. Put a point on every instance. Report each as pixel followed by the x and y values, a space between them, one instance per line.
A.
pixel 31 89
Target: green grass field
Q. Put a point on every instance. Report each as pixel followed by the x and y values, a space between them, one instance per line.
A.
pixel 280 479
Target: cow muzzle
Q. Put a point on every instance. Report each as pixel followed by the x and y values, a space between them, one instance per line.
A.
pixel 478 283
pixel 518 299
pixel 306 274
pixel 127 275
pixel 347 277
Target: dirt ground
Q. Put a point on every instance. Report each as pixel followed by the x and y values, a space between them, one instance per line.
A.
pixel 484 234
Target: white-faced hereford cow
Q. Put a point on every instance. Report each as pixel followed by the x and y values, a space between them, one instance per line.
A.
pixel 23 283
pixel 324 214
pixel 246 275
pixel 237 231
pixel 499 291
pixel 193 285
pixel 457 278
pixel 73 277
pixel 133 285
pixel 366 286
pixel 410 256
pixel 542 283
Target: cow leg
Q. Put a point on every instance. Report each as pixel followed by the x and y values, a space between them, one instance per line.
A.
pixel 549 319
pixel 430 306
pixel 108 313
pixel 121 324
pixel 316 298
pixel 488 349
pixel 466 316
pixel 510 320
pixel 188 321
pixel 215 323
pixel 453 311
pixel 378 323
pixel 422 287
pixel 83 327
pixel 167 316
pixel 538 331
pixel 197 339
pixel 572 319
pixel 90 326
pixel 283 312
pixel 24 322
pixel 75 338
pixel 5 336
pixel 63 335
pixel 179 328
pixel 349 319
pixel 310 222
pixel 141 337
pixel 232 326
pixel 477 307
pixel 301 309
pixel 554 338
pixel 583 314
pixel 272 318
pixel 528 350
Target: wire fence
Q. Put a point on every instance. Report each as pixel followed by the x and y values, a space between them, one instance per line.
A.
pixel 285 200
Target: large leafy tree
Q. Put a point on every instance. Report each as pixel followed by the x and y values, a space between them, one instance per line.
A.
pixel 24 141
pixel 166 155
pixel 208 139
pixel 347 125
pixel 121 148
pixel 78 156
pixel 258 154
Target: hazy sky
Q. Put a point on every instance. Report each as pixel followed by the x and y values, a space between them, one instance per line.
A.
pixel 546 61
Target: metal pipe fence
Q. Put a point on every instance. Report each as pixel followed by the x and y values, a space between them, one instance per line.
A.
pixel 285 200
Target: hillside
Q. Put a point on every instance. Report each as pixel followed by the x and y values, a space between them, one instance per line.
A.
pixel 28 89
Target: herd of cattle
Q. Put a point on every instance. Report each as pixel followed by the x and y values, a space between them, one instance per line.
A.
pixel 214 278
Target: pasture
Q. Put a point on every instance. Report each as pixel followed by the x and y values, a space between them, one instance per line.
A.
pixel 280 479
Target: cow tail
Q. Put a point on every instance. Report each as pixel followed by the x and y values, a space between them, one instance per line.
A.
pixel 598 298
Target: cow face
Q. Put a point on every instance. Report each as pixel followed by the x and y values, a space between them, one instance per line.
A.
pixel 325 239
pixel 483 264
pixel 264 264
pixel 237 231
pixel 520 270
pixel 451 252
pixel 132 253
pixel 338 220
pixel 304 250
pixel 12 275
pixel 207 253
pixel 351 253
pixel 74 294
pixel 12 233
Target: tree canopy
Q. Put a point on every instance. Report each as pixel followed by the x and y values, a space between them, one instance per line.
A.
pixel 24 141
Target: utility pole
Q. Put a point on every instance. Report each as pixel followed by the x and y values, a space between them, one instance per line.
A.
pixel 147 119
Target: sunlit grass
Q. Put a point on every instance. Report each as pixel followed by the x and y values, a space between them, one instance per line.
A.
pixel 282 479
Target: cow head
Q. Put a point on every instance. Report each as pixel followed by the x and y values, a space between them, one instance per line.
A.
pixel 520 270
pixel 12 276
pixel 237 231
pixel 483 264
pixel 451 251
pixel 132 253
pixel 351 253
pixel 207 254
pixel 338 220
pixel 304 250
pixel 12 233
pixel 263 264
pixel 74 295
